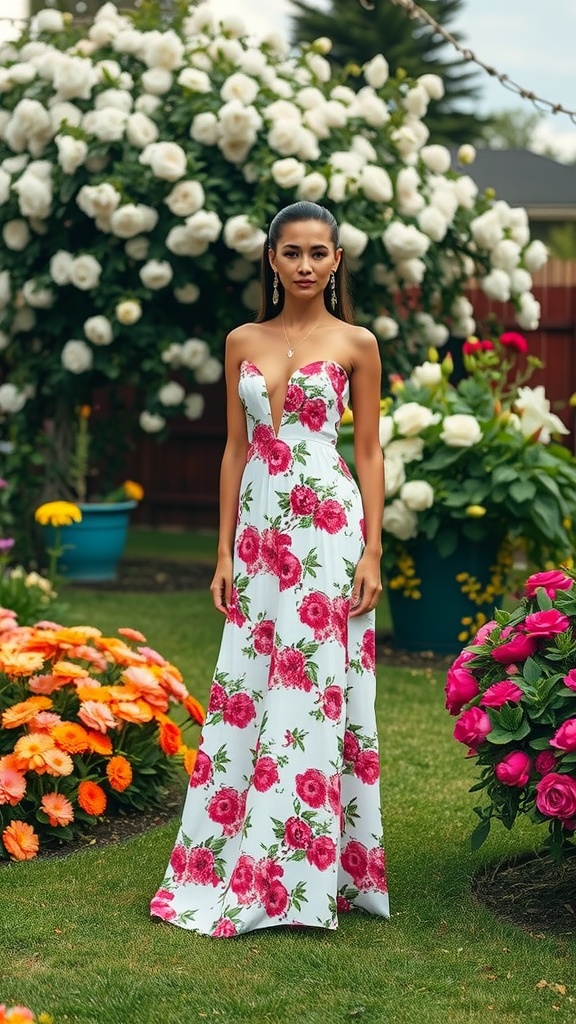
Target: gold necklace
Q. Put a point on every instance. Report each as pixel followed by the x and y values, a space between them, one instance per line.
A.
pixel 292 348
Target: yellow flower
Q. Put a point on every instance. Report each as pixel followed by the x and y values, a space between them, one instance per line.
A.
pixel 133 490
pixel 58 513
pixel 476 511
pixel 347 416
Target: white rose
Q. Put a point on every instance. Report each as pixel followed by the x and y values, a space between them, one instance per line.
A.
pixel 461 431
pixel 409 449
pixel 204 226
pixel 194 353
pixel 172 355
pixel 147 104
pixel 240 269
pixel 48 20
pixel 151 422
pixel 128 221
pixel 141 131
pixel 121 99
pixel 22 74
pixel 128 312
pixel 427 375
pixel 352 239
pixel 315 122
pixel 61 112
pixel 376 184
pixel 528 315
pixel 157 81
pixel 433 84
pixel 77 357
pixel 417 495
pixel 137 248
pixel 194 406
pixel 128 40
pixel 399 520
pixel 385 430
pixel 71 153
pixel 411 418
pixel 167 160
pixel 309 97
pixel 11 398
pixel 5 182
pixel 74 78
pixel 312 187
pixel 239 87
pixel 285 137
pixel 319 66
pixel 385 327
pixel 34 196
pixel 466 154
pixel 195 80
pixel 535 415
pixel 433 223
pixel 411 271
pixel 163 50
pixel 209 371
pixel 98 330
pixel 243 236
pixel 308 148
pixel 404 241
pixel 188 294
pixel 416 101
pixel 205 129
pixel 85 272
pixel 171 393
pixel 337 187
pixel 371 108
pixel 436 158
pixel 180 242
pixel 38 298
pixel 16 235
pixel 288 173
pixel 466 191
pixel 535 256
pixel 98 200
pixel 520 281
pixel 60 267
pixel 487 229
pixel 185 198
pixel 506 255
pixel 156 274
pixel 496 285
pixel 376 71
pixel 394 473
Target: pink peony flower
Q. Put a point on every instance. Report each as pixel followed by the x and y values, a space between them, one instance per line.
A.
pixel 546 623
pixel 202 770
pixel 545 762
pixel 368 651
pixel 298 834
pixel 275 899
pixel 218 698
pixel 565 737
pixel 472 727
pixel 239 710
pixel 556 796
pixel 278 457
pixel 377 868
pixel 514 769
pixel 263 636
pixel 313 414
pixel 315 611
pixel 289 569
pixel 330 516
pixel 332 702
pixel 179 862
pixel 225 807
pixel 262 439
pixel 225 929
pixel 303 500
pixel 551 581
pixel 288 668
pixel 242 879
pixel 234 612
pixel 334 794
pixel 201 867
pixel 294 397
pixel 354 860
pixel 265 774
pixel 248 546
pixel 321 853
pixel 351 746
pixel 497 694
pixel 312 787
pixel 517 648
pixel 160 905
pixel 367 767
pixel 461 687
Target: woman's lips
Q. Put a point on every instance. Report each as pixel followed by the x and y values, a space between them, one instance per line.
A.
pixel 304 284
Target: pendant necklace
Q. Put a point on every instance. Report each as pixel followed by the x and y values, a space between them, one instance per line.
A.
pixel 292 348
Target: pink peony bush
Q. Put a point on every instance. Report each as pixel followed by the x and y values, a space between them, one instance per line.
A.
pixel 514 694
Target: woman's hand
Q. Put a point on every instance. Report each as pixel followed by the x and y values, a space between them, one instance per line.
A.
pixel 367 585
pixel 221 586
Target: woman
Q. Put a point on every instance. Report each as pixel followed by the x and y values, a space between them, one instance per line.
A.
pixel 282 822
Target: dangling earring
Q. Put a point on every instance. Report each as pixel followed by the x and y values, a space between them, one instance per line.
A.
pixel 275 292
pixel 333 296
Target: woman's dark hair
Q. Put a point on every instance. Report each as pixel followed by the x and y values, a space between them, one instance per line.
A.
pixel 290 215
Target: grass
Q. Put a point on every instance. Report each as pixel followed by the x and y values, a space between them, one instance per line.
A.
pixel 76 940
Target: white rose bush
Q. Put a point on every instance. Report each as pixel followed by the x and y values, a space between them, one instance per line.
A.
pixel 139 168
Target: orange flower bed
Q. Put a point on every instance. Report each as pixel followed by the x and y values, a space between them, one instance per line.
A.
pixel 84 729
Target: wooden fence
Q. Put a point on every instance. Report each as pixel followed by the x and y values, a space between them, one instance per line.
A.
pixel 180 476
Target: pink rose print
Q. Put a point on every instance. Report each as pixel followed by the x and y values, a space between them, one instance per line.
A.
pixel 217 698
pixel 288 668
pixel 225 808
pixel 160 905
pixel 499 693
pixel 351 747
pixel 202 770
pixel 338 379
pixel 330 516
pixel 354 860
pixel 262 439
pixel 332 702
pixel 346 472
pixel 271 544
pixel 334 794
pixel 289 569
pixel 275 899
pixel 239 710
pixel 234 613
pixel 265 774
pixel 248 547
pixel 313 414
pixel 263 636
pixel 321 853
pixel 367 767
pixel 201 867
pixel 368 651
pixel 303 500
pixel 316 611
pixel 377 869
pixel 545 762
pixel 271 892
pixel 298 834
pixel 294 397
pixel 278 457
pixel 242 879
pixel 340 609
pixel 312 787
pixel 225 929
pixel 179 862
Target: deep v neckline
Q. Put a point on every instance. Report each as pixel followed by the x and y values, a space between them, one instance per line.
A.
pixel 299 369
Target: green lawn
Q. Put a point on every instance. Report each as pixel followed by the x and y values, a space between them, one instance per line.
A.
pixel 76 940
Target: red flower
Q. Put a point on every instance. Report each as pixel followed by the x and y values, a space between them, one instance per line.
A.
pixel 497 694
pixel 354 860
pixel 294 398
pixel 552 581
pixel 351 746
pixel 368 650
pixel 278 457
pixel 217 698
pixel 248 546
pixel 332 701
pixel 179 862
pixel 289 569
pixel 315 611
pixel 265 774
pixel 201 867
pixel 343 905
pixel 297 834
pixel 377 869
pixel 545 762
pixel 303 500
pixel 472 346
pixel 514 769
pixel 225 806
pixel 233 612
pixel 511 339
pixel 546 623
pixel 202 770
pixel 289 669
pixel 242 879
pixel 263 636
pixel 330 516
pixel 275 899
pixel 334 793
pixel 262 439
pixel 321 853
pixel 367 767
pixel 565 737
pixel 313 414
pixel 518 648
pixel 239 710
pixel 266 872
pixel 312 787
pixel 472 727
pixel 225 929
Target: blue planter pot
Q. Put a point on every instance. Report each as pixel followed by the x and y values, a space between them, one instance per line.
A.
pixel 94 546
pixel 433 622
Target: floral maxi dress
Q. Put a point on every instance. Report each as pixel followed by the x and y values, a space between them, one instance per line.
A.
pixel 282 824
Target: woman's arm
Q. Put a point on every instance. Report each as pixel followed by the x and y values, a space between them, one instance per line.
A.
pixel 365 386
pixel 231 469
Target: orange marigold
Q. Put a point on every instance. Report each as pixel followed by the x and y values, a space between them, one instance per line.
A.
pixel 195 709
pixel 91 798
pixel 20 714
pixel 132 634
pixel 20 663
pixel 190 760
pixel 71 737
pixel 30 752
pixel 99 743
pixel 170 738
pixel 119 772
pixel 20 840
pixel 58 808
pixel 69 669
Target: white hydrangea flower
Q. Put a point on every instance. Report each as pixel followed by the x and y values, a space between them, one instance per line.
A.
pixel 487 229
pixel 535 256
pixel 433 223
pixel 528 316
pixel 404 241
pixel 77 356
pixel 496 285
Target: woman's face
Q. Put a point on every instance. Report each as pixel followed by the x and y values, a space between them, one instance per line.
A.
pixel 305 257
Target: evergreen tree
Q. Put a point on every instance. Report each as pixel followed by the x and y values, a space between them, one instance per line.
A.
pixel 358 34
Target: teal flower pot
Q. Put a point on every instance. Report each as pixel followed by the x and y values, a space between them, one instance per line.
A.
pixel 93 547
pixel 434 621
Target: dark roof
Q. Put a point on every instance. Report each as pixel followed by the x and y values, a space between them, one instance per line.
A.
pixel 545 187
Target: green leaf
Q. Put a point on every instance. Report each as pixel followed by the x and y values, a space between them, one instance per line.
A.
pixel 480 834
pixel 446 542
pixel 544 602
pixel 522 490
pixel 532 670
pixel 501 736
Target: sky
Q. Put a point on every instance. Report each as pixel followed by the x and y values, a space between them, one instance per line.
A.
pixel 529 40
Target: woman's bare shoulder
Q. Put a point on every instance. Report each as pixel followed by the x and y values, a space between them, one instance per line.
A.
pixel 363 343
